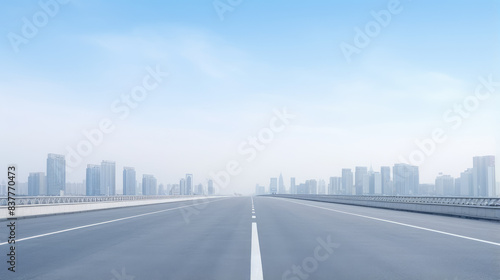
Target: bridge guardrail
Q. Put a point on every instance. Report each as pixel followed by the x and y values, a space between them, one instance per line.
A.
pixel 63 205
pixel 49 200
pixel 470 207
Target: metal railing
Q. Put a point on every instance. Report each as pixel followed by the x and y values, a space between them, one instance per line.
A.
pixel 48 200
pixel 439 200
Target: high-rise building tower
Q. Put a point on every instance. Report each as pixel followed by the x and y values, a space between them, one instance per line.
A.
pixel 281 185
pixel 321 186
pixel 312 186
pixel 385 177
pixel 161 189
pixel 189 184
pixel 335 185
pixel 405 178
pixel 199 190
pixel 108 178
pixel 260 190
pixel 3 188
pixel 484 175
pixel 347 181
pixel 302 189
pixel 359 178
pixel 467 183
pixel 93 180
pixel 375 183
pixel 210 186
pixel 175 189
pixel 445 185
pixel 148 185
pixel 56 174
pixel 129 181
pixel 37 184
pixel 182 187
pixel 293 187
pixel 273 186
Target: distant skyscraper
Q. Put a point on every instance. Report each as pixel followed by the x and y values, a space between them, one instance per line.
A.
pixel 56 174
pixel 359 178
pixel 108 178
pixel 375 183
pixel 273 186
pixel 484 175
pixel 427 189
pixel 182 187
pixel 303 189
pixel 293 187
pixel 321 186
pixel 405 178
pixel 312 186
pixel 148 185
pixel 129 181
pixel 335 185
pixel 260 190
pixel 385 174
pixel 93 180
pixel 75 188
pixel 3 188
pixel 210 186
pixel 445 185
pixel 347 181
pixel 37 184
pixel 189 184
pixel 161 189
pixel 22 188
pixel 281 185
pixel 367 186
pixel 175 189
pixel 467 183
pixel 199 189
pixel 456 191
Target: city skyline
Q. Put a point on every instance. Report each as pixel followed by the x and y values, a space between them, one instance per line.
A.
pixel 404 179
pixel 238 139
pixel 477 181
pixel 411 91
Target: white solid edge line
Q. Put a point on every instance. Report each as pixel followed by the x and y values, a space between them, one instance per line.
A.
pixel 255 259
pixel 401 224
pixel 106 222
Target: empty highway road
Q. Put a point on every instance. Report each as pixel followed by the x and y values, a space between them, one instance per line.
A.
pixel 252 238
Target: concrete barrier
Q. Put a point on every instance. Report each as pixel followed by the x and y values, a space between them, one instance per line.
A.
pixel 469 211
pixel 24 211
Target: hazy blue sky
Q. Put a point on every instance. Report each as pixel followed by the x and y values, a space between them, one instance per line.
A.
pixel 227 76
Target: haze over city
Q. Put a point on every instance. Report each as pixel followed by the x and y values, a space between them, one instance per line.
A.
pixel 249 139
pixel 228 77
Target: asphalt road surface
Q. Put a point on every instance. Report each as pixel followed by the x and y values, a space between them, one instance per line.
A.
pixel 252 238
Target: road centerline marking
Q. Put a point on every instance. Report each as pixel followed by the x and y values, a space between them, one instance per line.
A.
pixel 256 260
